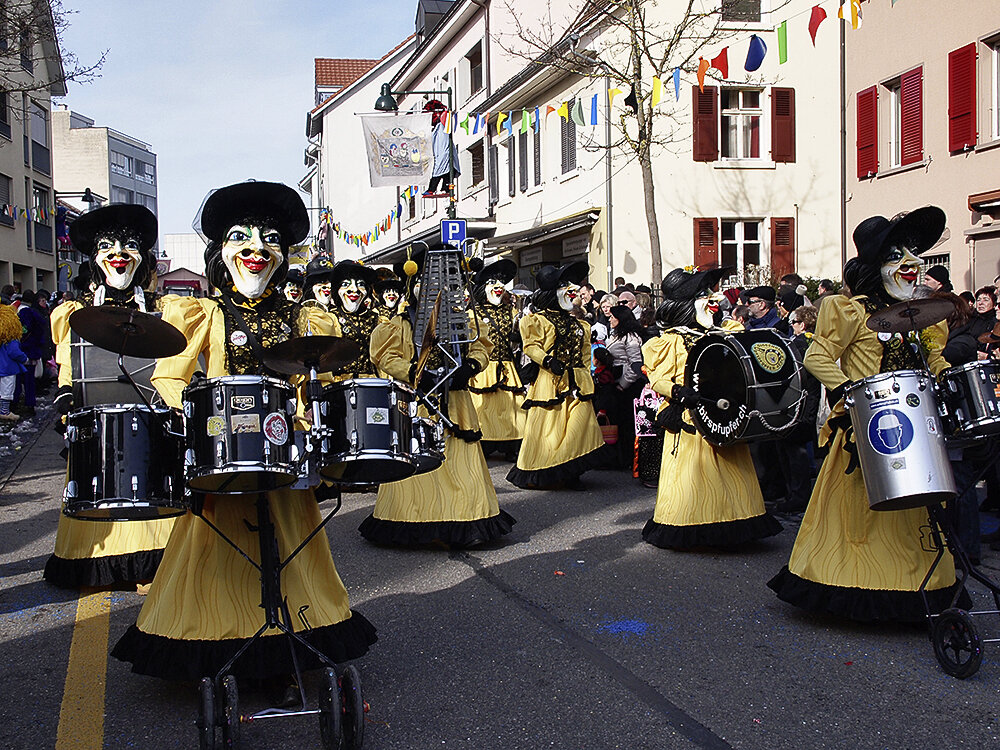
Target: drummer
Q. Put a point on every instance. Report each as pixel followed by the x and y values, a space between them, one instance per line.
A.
pixel 388 295
pixel 849 560
pixel 205 601
pixel 354 314
pixel 318 290
pixel 707 495
pixel 118 239
pixel 293 284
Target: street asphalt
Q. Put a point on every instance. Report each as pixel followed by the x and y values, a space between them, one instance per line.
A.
pixel 571 633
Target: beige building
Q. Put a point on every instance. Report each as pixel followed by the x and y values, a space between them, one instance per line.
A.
pixel 923 125
pixel 28 244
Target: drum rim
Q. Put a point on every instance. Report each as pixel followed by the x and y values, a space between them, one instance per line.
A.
pixel 368 383
pixel 238 380
pixel 976 365
pixel 885 375
pixel 119 409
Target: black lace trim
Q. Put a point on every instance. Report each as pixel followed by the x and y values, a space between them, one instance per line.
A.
pixel 458 534
pixel 719 534
pixel 499 320
pixel 573 391
pixel 358 327
pixel 501 384
pixel 469 436
pixel 272 318
pixel 555 476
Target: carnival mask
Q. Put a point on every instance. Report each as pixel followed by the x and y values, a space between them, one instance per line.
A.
pixel 252 254
pixel 702 312
pixel 293 291
pixel 119 259
pixel 352 293
pixel 494 289
pixel 900 271
pixel 390 298
pixel 567 294
pixel 322 292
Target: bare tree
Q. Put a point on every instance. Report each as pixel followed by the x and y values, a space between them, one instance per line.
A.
pixel 32 58
pixel 629 42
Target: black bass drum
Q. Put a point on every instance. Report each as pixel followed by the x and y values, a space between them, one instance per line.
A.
pixel 750 384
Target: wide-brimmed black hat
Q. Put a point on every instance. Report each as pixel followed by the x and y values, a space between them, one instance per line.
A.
pixel 681 284
pixel 319 268
pixel 295 276
pixel 254 200
pixel 502 270
pixel 115 216
pixel 918 230
pixel 386 284
pixel 550 278
pixel 351 269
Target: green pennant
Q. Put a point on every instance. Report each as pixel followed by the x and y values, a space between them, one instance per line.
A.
pixel 783 43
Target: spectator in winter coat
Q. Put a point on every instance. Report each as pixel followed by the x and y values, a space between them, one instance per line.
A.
pixel 12 360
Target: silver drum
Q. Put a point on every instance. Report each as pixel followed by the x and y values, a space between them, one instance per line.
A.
pixel 900 442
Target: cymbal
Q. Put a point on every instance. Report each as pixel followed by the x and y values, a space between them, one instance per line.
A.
pixel 125 331
pixel 911 315
pixel 991 337
pixel 297 356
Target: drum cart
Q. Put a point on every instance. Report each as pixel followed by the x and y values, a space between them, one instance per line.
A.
pixel 341 708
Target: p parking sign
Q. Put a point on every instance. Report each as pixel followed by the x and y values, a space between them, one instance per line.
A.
pixel 453 232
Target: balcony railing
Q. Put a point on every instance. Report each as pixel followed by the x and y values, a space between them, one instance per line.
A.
pixel 41 160
pixel 43 238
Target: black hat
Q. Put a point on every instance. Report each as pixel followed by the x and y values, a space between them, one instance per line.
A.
pixel 254 200
pixel 350 269
pixel 295 276
pixel 319 268
pixel 550 278
pixel 115 216
pixel 681 284
pixel 918 230
pixel 941 275
pixel 622 312
pixel 766 293
pixel 392 283
pixel 791 300
pixel 502 270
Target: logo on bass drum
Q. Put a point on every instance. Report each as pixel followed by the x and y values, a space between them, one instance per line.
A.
pixel 242 403
pixel 276 428
pixel 890 431
pixel 769 356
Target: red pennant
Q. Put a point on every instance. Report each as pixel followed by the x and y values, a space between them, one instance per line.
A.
pixel 721 62
pixel 817 17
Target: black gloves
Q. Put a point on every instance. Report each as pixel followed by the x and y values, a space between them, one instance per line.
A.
pixel 64 399
pixel 671 418
pixel 427 381
pixel 833 396
pixel 460 378
pixel 684 395
pixel 553 365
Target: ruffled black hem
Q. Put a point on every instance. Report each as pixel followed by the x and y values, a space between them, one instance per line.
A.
pixel 183 660
pixel 498 387
pixel 469 436
pixel 863 605
pixel 502 447
pixel 720 534
pixel 555 476
pixel 419 533
pixel 97 572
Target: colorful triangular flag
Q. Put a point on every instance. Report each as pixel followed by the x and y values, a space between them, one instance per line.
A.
pixel 657 91
pixel 817 17
pixel 593 110
pixel 721 62
pixel 677 84
pixel 783 43
pixel 578 112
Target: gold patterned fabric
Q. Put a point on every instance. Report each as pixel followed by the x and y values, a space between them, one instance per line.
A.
pixel 272 319
pixel 358 327
pixel 497 391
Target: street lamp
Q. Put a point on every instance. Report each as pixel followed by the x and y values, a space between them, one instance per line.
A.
pixel 386 102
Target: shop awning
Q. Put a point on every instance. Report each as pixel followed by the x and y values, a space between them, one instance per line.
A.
pixel 543 232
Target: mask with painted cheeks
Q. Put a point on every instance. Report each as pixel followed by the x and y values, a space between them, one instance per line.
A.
pixel 494 289
pixel 567 294
pixel 322 292
pixel 252 255
pixel 900 271
pixel 390 298
pixel 293 292
pixel 352 293
pixel 702 313
pixel 119 258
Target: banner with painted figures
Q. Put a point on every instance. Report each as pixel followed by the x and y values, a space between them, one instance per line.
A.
pixel 399 148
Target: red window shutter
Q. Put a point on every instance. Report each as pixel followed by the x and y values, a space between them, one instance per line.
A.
pixel 867 132
pixel 911 94
pixel 706 242
pixel 783 125
pixel 706 123
pixel 782 247
pixel 962 98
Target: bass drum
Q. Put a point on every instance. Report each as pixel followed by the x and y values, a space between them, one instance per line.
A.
pixel 125 463
pixel 900 443
pixel 750 384
pixel 971 395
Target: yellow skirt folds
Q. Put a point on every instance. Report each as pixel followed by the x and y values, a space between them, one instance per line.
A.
pixel 497 394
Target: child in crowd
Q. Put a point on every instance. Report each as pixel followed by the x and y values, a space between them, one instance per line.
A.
pixel 12 359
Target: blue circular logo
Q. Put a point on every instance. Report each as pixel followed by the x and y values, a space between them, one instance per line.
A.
pixel 890 431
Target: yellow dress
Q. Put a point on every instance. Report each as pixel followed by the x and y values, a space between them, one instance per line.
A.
pixel 99 553
pixel 497 391
pixel 562 439
pixel 456 503
pixel 849 560
pixel 205 599
pixel 707 495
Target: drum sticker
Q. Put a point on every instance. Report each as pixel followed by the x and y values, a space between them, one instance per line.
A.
pixel 913 400
pixel 239 338
pixel 377 415
pixel 242 423
pixel 932 426
pixel 769 356
pixel 276 428
pixel 897 464
pixel 215 426
pixel 243 403
pixel 890 431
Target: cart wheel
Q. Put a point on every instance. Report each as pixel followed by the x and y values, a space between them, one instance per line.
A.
pixel 229 712
pixel 329 710
pixel 206 715
pixel 957 645
pixel 354 708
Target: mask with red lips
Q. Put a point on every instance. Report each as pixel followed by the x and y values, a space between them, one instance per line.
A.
pixel 119 259
pixel 567 294
pixel 900 271
pixel 252 254
pixel 352 293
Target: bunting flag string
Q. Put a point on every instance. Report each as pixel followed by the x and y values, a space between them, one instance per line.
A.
pixel 41 214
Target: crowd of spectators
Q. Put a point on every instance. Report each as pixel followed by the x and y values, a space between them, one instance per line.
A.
pixel 37 373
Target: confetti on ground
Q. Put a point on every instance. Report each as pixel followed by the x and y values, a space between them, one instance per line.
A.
pixel 558 573
pixel 625 627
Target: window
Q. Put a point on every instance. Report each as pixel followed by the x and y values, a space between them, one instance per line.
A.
pixel 145 172
pixel 867 133
pixel 475 61
pixel 121 195
pixel 27 62
pixel 740 122
pixel 478 163
pixel 905 119
pixel 522 158
pixel 6 188
pixel 149 201
pixel 494 167
pixel 962 98
pixel 944 259
pixel 995 81
pixel 537 143
pixel 511 165
pixel 39 124
pixel 40 202
pixel 4 113
pixel 741 246
pixel 27 197
pixel 739 243
pixel 741 11
pixel 568 139
pixel 121 164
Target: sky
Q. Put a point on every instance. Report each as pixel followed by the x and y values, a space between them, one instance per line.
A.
pixel 219 88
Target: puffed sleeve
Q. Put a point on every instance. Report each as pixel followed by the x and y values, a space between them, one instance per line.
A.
pixel 59 321
pixel 538 337
pixel 664 358
pixel 838 326
pixel 172 374
pixel 388 349
pixel 315 321
pixel 937 336
pixel 480 349
pixel 585 351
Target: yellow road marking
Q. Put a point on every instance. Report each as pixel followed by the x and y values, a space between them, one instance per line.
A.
pixel 81 717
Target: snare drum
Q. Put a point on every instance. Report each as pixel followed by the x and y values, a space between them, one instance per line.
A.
pixel 239 434
pixel 125 463
pixel 427 448
pixel 750 383
pixel 368 428
pixel 900 442
pixel 971 394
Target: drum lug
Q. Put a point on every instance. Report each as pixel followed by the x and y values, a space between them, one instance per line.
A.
pixel 354 398
pixel 93 486
pixel 290 406
pixel 72 490
pixel 267 452
pixel 135 423
pixel 135 486
pixel 71 433
pixel 220 450
pixel 265 397
pixel 218 399
pixel 189 457
pixel 868 393
pixel 354 439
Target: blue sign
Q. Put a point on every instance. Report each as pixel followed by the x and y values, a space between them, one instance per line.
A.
pixel 453 232
pixel 890 431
